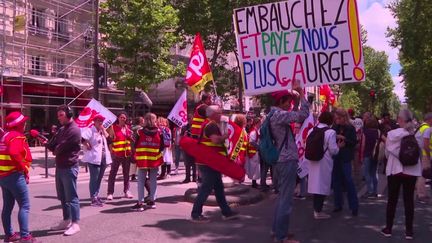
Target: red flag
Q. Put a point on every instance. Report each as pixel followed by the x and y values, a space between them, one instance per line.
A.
pixel 235 140
pixel 198 71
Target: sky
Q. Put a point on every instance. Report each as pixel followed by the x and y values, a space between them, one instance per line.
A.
pixel 375 17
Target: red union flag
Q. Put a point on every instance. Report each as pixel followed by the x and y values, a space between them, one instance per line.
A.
pixel 198 71
pixel 235 140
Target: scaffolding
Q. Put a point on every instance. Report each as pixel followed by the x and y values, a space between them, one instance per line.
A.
pixel 48 44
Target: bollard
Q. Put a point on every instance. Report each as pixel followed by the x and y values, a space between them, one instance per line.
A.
pixel 46 162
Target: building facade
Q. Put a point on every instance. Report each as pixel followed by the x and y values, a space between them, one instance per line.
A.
pixel 46 58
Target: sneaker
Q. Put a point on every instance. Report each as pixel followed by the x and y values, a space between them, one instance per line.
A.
pixel 29 239
pixel 386 232
pixel 201 219
pixel 161 178
pixel 321 215
pixel 12 238
pixel 298 197
pixel 109 197
pixel 100 200
pixel 63 225
pixel 233 215
pixel 133 178
pixel 138 207
pixel 186 181
pixel 409 235
pixel 128 195
pixel 151 205
pixel 96 203
pixel 147 199
pixel 72 230
pixel 372 196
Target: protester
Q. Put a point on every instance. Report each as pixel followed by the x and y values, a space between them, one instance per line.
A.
pixel 97 156
pixel 400 176
pixel 320 172
pixel 148 156
pixel 190 166
pixel 285 169
pixel 369 142
pixel 253 159
pixel 121 152
pixel 138 125
pixel 358 124
pixel 65 145
pixel 163 125
pixel 177 149
pixel 15 161
pixel 212 179
pixel 342 167
pixel 424 140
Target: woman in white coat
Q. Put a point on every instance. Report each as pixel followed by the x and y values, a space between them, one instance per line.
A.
pixel 400 176
pixel 320 172
pixel 97 155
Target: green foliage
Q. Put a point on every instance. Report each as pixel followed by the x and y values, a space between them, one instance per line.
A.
pixel 378 78
pixel 350 99
pixel 138 35
pixel 213 19
pixel 413 37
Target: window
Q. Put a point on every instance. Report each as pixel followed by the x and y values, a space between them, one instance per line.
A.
pixel 60 25
pixel 38 18
pixel 38 66
pixel 58 66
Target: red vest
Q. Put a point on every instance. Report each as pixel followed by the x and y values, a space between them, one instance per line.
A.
pixel 197 123
pixel 251 150
pixel 7 164
pixel 147 151
pixel 121 145
pixel 218 148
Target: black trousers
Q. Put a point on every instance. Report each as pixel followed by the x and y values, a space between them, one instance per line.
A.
pixel 190 167
pixel 264 168
pixel 395 182
pixel 318 202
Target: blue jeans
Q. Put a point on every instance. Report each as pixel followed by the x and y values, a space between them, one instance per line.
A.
pixel 285 174
pixel 14 187
pixel 177 154
pixel 370 173
pixel 211 179
pixel 96 174
pixel 142 175
pixel 342 179
pixel 66 186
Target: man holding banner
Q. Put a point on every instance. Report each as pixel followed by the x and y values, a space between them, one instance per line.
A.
pixel 285 170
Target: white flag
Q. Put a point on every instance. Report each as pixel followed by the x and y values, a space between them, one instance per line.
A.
pixel 92 109
pixel 178 114
pixel 301 137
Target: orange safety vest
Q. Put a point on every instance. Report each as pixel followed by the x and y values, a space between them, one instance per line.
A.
pixel 121 145
pixel 7 164
pixel 197 123
pixel 147 151
pixel 243 149
pixel 219 148
pixel 251 150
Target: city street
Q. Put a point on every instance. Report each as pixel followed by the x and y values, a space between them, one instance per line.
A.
pixel 169 222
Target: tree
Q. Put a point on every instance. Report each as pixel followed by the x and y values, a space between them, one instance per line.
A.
pixel 378 79
pixel 350 99
pixel 137 37
pixel 413 38
pixel 213 19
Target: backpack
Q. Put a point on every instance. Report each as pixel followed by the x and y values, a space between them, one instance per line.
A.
pixel 269 153
pixel 315 144
pixel 410 152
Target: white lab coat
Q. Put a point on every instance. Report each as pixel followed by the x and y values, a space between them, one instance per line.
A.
pixel 97 141
pixel 252 165
pixel 320 172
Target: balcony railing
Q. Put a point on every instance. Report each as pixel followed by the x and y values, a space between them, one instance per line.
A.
pixel 38 31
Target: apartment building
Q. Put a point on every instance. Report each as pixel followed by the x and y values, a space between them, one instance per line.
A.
pixel 46 58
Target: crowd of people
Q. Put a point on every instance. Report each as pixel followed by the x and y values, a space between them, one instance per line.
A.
pixel 150 150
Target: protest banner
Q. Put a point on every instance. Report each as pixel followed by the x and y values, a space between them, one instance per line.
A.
pixel 315 41
pixel 178 114
pixel 198 72
pixel 85 119
pixel 236 138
